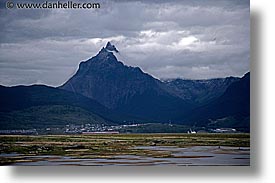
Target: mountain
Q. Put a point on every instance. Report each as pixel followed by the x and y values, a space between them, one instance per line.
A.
pixel 232 108
pixel 199 92
pixel 125 89
pixel 105 91
pixel 38 103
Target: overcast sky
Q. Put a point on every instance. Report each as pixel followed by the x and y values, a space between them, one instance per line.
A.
pixel 196 39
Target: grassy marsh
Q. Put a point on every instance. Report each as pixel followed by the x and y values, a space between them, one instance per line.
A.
pixel 108 146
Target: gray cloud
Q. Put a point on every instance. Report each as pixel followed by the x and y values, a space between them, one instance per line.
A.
pixel 189 39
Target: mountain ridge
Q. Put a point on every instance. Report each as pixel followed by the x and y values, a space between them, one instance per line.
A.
pixel 233 103
pixel 22 97
pixel 104 88
pixel 199 91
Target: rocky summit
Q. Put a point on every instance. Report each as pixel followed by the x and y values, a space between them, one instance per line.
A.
pixel 124 88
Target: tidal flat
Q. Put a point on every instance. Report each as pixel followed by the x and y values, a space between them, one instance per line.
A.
pixel 126 149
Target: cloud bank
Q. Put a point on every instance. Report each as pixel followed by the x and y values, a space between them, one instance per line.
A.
pixel 186 39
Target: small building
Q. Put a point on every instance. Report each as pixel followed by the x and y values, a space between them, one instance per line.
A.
pixel 191 131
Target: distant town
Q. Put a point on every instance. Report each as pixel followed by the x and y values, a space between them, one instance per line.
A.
pixel 115 129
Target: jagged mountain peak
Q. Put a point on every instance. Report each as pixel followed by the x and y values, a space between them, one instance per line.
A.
pixel 106 54
pixel 110 47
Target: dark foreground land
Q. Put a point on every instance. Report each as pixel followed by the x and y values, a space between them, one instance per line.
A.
pixel 126 149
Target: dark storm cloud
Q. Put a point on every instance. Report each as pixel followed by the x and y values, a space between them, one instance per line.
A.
pixel 188 39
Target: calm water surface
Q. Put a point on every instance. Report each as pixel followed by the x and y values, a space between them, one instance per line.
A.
pixel 189 156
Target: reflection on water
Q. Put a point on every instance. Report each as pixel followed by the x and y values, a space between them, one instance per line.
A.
pixel 189 156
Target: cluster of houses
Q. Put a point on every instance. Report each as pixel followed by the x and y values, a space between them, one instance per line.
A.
pixel 19 132
pixel 98 129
